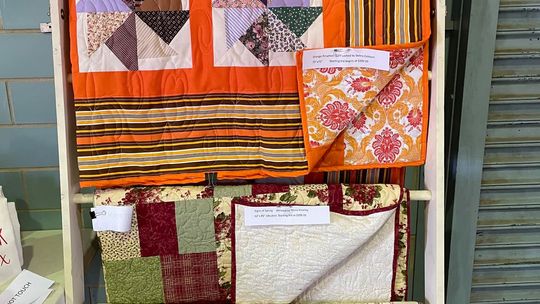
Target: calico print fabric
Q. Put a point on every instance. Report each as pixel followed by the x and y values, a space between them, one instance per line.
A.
pixel 367 117
pixel 118 35
pixel 265 33
pixel 179 262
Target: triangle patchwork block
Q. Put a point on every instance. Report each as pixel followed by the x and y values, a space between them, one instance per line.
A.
pixel 166 23
pixel 237 22
pixel 101 26
pixel 297 19
pixel 256 39
pixel 281 38
pixel 149 44
pixel 123 43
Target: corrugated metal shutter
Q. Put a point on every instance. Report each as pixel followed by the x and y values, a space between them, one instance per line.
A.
pixel 507 254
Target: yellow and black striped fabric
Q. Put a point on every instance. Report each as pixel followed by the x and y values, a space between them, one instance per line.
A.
pixel 122 138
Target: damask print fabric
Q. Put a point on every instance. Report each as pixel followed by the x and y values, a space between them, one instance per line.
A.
pixel 358 118
pixel 220 260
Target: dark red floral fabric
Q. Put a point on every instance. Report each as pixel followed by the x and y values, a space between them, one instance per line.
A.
pixel 265 189
pixel 157 229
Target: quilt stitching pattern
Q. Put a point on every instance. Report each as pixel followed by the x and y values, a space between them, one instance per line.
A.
pixel 195 226
pixel 134 281
pixel 133 35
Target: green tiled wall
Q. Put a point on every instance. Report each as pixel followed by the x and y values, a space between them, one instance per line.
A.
pixel 26 109
pixel 28 143
pixel 5 116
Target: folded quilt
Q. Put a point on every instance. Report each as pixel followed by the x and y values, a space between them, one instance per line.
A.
pixel 168 91
pixel 191 244
pixel 365 117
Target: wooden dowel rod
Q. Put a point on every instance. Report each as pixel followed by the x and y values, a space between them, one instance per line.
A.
pixel 416 195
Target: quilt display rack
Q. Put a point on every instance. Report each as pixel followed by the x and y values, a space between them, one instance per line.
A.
pixel 72 198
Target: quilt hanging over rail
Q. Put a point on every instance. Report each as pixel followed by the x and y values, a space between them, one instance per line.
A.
pixel 194 245
pixel 169 90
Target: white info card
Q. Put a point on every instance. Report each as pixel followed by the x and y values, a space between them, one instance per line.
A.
pixel 287 215
pixel 346 58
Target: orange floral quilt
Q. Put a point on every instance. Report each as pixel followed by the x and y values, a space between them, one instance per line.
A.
pixel 364 117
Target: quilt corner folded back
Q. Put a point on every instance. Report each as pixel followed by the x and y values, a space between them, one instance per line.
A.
pixel 365 117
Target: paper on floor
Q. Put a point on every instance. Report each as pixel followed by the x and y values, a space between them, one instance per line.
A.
pixel 10 265
pixel 27 288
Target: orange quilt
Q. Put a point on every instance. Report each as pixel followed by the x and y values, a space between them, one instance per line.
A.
pixel 168 91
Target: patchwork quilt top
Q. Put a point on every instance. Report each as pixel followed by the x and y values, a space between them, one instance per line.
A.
pixel 191 245
pixel 167 91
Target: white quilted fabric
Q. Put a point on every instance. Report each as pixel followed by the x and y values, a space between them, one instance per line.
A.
pixel 366 275
pixel 348 260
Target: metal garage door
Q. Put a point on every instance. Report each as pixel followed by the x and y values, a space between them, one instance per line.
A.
pixel 507 253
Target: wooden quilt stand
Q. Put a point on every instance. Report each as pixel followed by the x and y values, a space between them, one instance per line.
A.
pixel 69 181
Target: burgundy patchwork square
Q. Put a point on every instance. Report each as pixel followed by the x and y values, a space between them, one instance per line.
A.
pixel 157 229
pixel 257 189
pixel 190 278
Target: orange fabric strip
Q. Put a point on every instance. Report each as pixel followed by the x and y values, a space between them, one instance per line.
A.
pixel 379 22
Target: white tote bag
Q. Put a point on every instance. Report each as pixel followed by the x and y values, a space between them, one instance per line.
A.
pixel 10 264
pixel 16 229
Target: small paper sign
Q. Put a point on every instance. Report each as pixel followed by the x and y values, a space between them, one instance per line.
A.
pixel 28 287
pixel 287 215
pixel 346 58
pixel 111 218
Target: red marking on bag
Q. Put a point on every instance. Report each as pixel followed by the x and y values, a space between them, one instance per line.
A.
pixel 4 260
pixel 2 238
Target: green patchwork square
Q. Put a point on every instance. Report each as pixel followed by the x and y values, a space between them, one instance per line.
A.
pixel 195 226
pixel 136 280
pixel 232 191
